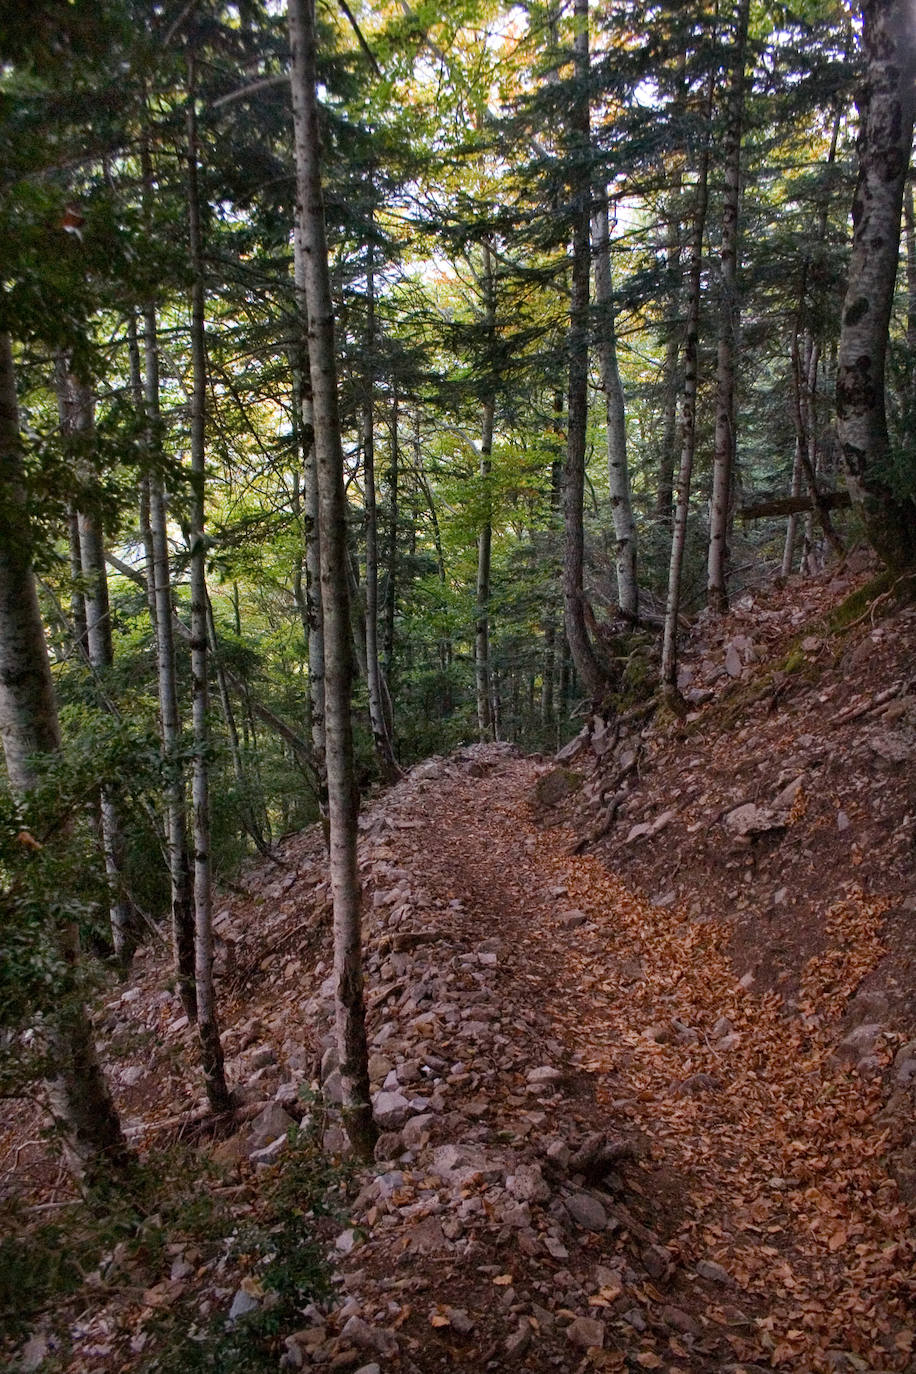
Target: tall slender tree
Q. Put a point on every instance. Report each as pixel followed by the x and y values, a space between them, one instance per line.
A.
pixel 211 1051
pixel 615 417
pixel 78 1095
pixel 343 797
pixel 578 150
pixel 725 442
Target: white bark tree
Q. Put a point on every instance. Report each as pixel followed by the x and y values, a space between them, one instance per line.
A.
pixel 343 797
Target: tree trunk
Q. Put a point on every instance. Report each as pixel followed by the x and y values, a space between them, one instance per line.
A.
pixel 78 1095
pixel 788 552
pixel 587 666
pixel 182 902
pixel 342 791
pixel 484 552
pixel 885 140
pixel 688 411
pixel 391 585
pixel 377 718
pixel 211 1051
pixel 618 469
pixel 720 508
pixel 75 407
pixel 306 425
pixel 485 532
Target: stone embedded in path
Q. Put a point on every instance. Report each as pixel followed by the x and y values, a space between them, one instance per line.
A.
pixel 714 1273
pixel 859 1043
pixel 905 1064
pixel 242 1303
pixel 586 1211
pixel 527 1184
pixel 367 1337
pixel 681 1321
pixel 543 1076
pixel 586 1332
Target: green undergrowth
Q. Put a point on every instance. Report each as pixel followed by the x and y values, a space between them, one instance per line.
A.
pixel 275 1250
pixel 103 1250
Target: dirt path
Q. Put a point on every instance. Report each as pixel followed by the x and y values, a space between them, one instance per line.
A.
pixel 756 1225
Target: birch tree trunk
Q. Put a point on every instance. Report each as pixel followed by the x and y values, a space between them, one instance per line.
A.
pixel 618 469
pixel 211 1051
pixel 688 413
pixel 78 1095
pixel 885 140
pixel 75 408
pixel 482 680
pixel 306 423
pixel 391 583
pixel 377 717
pixel 720 508
pixel 342 792
pixel 181 895
pixel 590 672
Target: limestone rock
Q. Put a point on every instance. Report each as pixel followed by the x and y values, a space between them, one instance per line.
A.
pixel 752 819
pixel 360 1333
pixel 272 1123
pixel 242 1303
pixel 527 1184
pixel 390 1109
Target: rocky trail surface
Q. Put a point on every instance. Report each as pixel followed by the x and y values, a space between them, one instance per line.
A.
pixel 604 1145
pixel 604 1151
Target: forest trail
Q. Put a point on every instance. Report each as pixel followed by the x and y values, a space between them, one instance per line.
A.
pixel 755 1223
pixel 601 1149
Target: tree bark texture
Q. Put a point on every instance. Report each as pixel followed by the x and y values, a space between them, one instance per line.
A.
pixel 725 440
pixel 211 1052
pixel 78 1095
pixel 391 577
pixel 181 894
pixel 342 792
pixel 615 414
pixel 306 422
pixel 885 139
pixel 77 422
pixel 688 412
pixel 588 668
pixel 384 751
